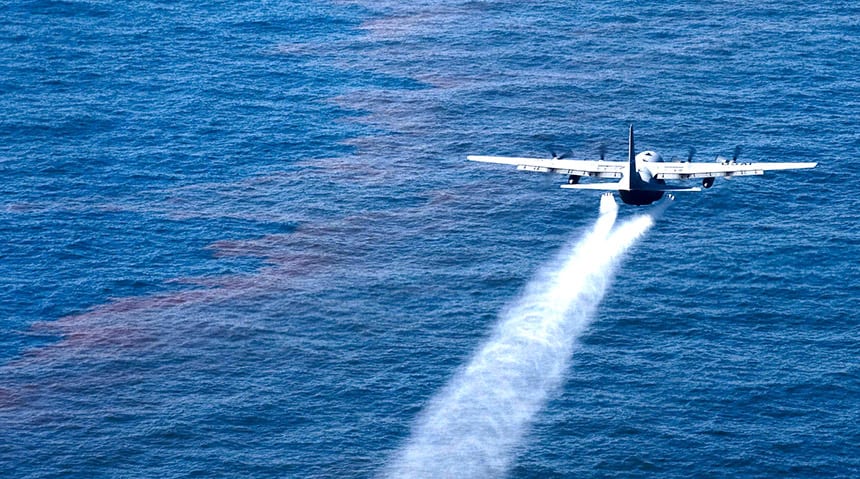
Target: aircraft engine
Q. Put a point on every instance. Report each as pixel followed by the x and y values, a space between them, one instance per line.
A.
pixel 708 182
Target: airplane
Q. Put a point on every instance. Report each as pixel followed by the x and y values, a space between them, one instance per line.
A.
pixel 642 178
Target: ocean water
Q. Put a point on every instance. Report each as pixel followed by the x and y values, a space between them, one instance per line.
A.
pixel 241 239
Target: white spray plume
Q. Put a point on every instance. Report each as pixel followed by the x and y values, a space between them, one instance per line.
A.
pixel 472 427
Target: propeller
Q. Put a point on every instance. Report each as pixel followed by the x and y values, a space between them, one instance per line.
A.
pixel 690 155
pixel 556 156
pixel 737 152
pixel 602 150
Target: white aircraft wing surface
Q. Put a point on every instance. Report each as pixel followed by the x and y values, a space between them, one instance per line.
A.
pixel 595 168
pixel 681 170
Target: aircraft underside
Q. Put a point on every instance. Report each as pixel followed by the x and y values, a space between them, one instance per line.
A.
pixel 639 197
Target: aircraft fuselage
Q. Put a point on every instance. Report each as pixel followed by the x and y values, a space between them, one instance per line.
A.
pixel 643 188
pixel 639 197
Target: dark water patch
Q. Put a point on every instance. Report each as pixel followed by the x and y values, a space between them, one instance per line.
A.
pixel 64 8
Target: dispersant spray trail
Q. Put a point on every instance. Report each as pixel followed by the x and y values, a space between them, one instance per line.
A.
pixel 473 426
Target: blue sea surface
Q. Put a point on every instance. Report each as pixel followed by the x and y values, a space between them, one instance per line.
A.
pixel 241 239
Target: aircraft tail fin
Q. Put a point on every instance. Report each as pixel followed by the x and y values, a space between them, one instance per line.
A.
pixel 631 176
pixel 631 155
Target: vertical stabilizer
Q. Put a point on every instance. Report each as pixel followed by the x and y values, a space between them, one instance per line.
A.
pixel 631 154
pixel 630 176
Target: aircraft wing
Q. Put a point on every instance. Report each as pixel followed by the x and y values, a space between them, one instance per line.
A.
pixel 595 168
pixel 680 170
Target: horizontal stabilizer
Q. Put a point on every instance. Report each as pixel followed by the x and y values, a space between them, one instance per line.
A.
pixel 619 186
pixel 674 188
pixel 594 186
